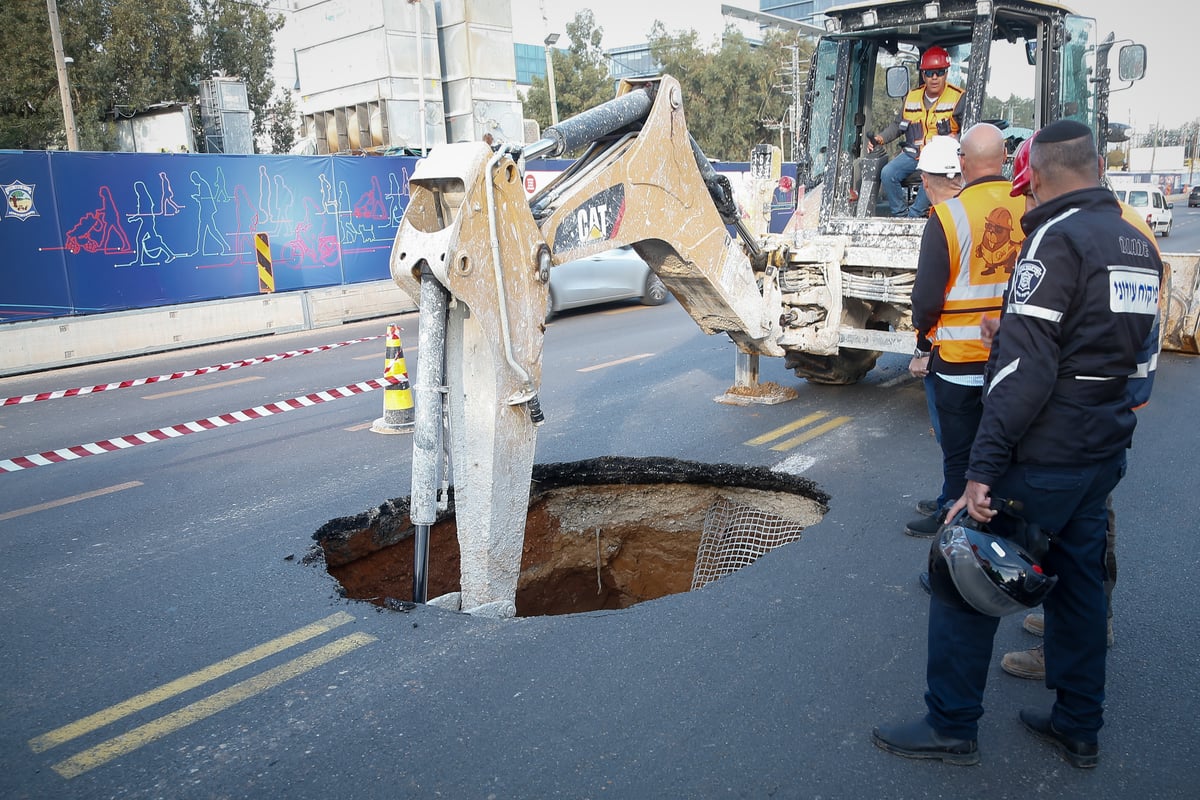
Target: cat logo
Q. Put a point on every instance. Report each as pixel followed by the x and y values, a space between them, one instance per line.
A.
pixel 597 219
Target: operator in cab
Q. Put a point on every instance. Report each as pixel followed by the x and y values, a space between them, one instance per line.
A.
pixel 934 108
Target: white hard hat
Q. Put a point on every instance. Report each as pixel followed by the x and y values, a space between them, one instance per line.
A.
pixel 939 156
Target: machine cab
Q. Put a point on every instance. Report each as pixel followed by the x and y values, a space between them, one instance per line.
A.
pixel 1021 63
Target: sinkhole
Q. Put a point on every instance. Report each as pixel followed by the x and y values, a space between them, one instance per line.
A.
pixel 604 533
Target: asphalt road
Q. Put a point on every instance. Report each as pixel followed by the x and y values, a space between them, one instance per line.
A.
pixel 163 637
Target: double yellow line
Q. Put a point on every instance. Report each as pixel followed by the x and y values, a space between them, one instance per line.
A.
pixel 803 422
pixel 201 709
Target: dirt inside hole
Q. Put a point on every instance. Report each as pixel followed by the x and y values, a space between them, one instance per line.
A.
pixel 601 534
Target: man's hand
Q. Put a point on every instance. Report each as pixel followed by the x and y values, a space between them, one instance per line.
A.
pixel 919 367
pixel 987 330
pixel 977 498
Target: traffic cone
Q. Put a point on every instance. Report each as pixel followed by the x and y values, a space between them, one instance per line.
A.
pixel 397 397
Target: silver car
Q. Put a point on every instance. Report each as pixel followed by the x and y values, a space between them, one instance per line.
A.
pixel 618 274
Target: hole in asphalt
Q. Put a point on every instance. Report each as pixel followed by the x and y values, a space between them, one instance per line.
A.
pixel 605 533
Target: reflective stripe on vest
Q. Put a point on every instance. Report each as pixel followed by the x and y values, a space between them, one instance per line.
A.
pixel 923 124
pixel 983 237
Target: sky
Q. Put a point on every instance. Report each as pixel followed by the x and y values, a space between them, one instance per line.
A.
pixel 1166 27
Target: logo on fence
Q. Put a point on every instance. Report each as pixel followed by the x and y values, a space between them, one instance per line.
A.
pixel 18 201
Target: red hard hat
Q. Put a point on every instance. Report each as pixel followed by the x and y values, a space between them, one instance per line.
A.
pixel 935 58
pixel 1020 179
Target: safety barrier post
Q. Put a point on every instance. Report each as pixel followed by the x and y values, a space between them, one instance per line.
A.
pixel 397 397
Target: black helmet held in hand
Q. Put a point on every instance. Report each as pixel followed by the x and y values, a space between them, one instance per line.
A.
pixel 973 568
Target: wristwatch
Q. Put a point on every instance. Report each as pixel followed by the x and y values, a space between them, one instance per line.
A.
pixel 919 353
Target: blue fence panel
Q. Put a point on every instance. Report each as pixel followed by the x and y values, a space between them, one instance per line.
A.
pixel 373 194
pixel 33 268
pixel 116 231
pixel 84 232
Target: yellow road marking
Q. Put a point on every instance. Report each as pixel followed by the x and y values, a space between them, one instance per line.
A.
pixel 180 685
pixel 222 385
pixel 20 512
pixel 361 427
pixel 595 367
pixel 373 356
pixel 202 709
pixel 812 433
pixel 624 310
pixel 786 429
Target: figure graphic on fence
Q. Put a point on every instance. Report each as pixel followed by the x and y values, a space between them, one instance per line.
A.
pixel 265 205
pixel 95 231
pixel 169 207
pixel 206 218
pixel 151 249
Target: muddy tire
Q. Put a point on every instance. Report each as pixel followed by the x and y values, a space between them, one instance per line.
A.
pixel 848 366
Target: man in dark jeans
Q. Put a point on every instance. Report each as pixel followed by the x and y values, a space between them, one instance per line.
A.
pixel 956 286
pixel 1055 427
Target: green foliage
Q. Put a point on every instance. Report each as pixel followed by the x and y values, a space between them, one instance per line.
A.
pixel 237 42
pixel 30 108
pixel 729 92
pixel 281 119
pixel 580 74
pixel 128 55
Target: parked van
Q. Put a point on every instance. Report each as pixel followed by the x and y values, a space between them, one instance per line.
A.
pixel 1149 200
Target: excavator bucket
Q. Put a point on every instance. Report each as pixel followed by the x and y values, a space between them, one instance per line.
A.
pixel 1181 302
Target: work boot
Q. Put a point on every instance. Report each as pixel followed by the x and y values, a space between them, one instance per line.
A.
pixel 1035 623
pixel 1030 664
pixel 927 507
pixel 926 527
pixel 919 740
pixel 1077 753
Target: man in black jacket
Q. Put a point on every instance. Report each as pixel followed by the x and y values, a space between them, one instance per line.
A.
pixel 1055 427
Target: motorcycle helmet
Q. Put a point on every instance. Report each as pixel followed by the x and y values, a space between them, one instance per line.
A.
pixel 1020 179
pixel 935 58
pixel 973 568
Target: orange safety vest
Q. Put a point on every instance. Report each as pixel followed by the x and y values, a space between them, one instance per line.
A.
pixel 984 236
pixel 1135 218
pixel 922 123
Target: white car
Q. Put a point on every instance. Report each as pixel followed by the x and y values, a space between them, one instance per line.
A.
pixel 618 274
pixel 1149 200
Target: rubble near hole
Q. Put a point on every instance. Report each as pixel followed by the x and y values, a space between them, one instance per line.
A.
pixel 600 534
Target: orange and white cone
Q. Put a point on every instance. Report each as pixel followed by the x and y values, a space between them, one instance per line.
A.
pixel 397 397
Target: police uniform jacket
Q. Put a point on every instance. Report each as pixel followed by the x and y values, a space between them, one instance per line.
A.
pixel 1079 307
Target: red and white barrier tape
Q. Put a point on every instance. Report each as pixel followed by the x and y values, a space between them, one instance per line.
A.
pixel 33 398
pixel 220 421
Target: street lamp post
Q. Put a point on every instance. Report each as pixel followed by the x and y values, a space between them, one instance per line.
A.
pixel 551 38
pixel 64 86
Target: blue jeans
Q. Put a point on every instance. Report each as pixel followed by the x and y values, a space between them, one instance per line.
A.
pixel 1070 502
pixel 890 177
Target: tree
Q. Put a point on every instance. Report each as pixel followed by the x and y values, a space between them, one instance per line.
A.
pixel 281 122
pixel 30 109
pixel 128 55
pixel 729 92
pixel 580 75
pixel 237 36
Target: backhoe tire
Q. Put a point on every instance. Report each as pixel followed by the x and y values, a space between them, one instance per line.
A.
pixel 848 366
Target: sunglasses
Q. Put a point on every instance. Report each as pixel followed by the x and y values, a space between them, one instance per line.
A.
pixel 933 73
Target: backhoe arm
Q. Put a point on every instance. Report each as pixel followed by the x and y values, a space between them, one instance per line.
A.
pixel 478 255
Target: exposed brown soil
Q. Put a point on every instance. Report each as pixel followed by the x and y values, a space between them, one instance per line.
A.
pixel 601 534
